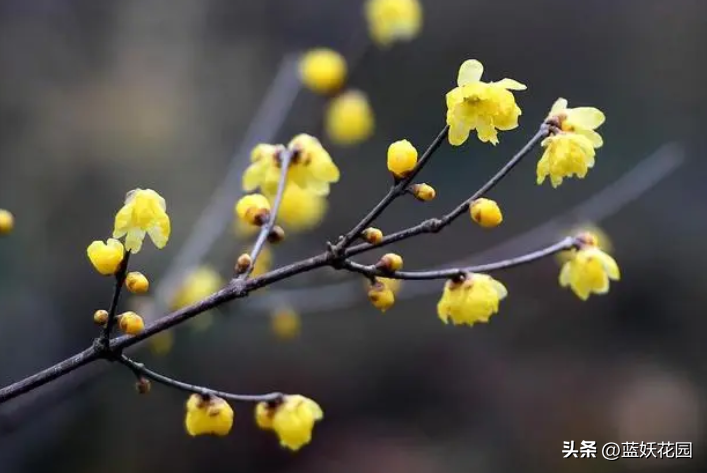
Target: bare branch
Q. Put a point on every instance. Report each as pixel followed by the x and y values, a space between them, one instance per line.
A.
pixel 140 369
pixel 117 290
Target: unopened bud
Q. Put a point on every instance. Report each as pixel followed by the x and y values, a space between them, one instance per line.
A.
pixel 390 262
pixel 423 192
pixel 372 235
pixel 243 263
pixel 100 317
pixel 276 235
pixel 143 385
pixel 486 213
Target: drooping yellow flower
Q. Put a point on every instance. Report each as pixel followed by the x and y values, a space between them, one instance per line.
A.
pixel 145 211
pixel 486 212
pixel 566 155
pixel 285 323
pixel 482 106
pixel 208 415
pixel 381 295
pixel 322 70
pixel 393 20
pixel 7 222
pixel 581 120
pixel 601 238
pixel 401 158
pixel 571 150
pixel 106 257
pixel 349 118
pixel 311 167
pixel 292 419
pixel 300 209
pixel 391 283
pixel 589 271
pixel 475 299
pixel 198 284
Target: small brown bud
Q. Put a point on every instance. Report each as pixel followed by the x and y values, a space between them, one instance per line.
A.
pixel 100 317
pixel 372 235
pixel 243 263
pixel 276 235
pixel 143 385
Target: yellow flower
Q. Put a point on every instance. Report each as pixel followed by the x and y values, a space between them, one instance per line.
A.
pixel 381 295
pixel 475 299
pixel 130 323
pixel 349 118
pixel 481 106
pixel 106 257
pixel 197 285
pixel 486 213
pixel 602 240
pixel 7 222
pixel 144 212
pixel 393 20
pixel 402 158
pixel 566 155
pixel 311 167
pixel 322 70
pixel 208 415
pixel 589 271
pixel 393 284
pixel 300 209
pixel 253 209
pixel 571 150
pixel 136 282
pixel 285 323
pixel 581 120
pixel 292 419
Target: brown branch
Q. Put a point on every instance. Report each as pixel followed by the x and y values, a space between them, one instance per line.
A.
pixel 117 290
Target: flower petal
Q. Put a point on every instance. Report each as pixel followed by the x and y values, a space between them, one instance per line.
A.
pixel 558 107
pixel 510 84
pixel 458 133
pixel 586 117
pixel 470 72
pixel 133 240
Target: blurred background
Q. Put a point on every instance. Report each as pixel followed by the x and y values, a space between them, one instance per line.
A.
pixel 97 98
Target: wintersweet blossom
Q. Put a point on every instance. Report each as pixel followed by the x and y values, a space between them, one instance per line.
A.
pixel 349 118
pixel 482 106
pixel 144 212
pixel 589 271
pixel 393 20
pixel 292 419
pixel 474 299
pixel 106 257
pixel 208 415
pixel 322 70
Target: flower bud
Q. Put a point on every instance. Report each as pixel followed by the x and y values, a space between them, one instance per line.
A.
pixel 106 257
pixel 130 323
pixel 7 222
pixel 402 158
pixel 253 209
pixel 423 192
pixel 390 262
pixel 136 282
pixel 349 119
pixel 143 385
pixel 372 235
pixel 381 296
pixel 276 235
pixel 486 213
pixel 100 317
pixel 243 263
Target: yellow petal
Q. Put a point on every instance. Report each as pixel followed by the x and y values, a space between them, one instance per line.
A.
pixel 610 266
pixel 595 138
pixel 565 274
pixel 133 240
pixel 500 289
pixel 252 177
pixel 470 72
pixel 558 107
pixel 586 117
pixel 160 232
pixel 458 134
pixel 511 84
pixel 122 221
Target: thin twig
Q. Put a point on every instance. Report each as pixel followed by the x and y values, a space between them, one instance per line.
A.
pixel 434 225
pixel 140 369
pixel 117 290
pixel 285 159
pixel 371 271
pixel 398 189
